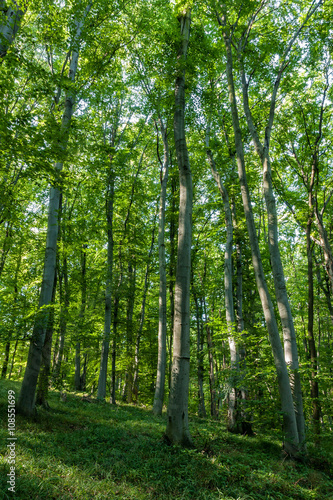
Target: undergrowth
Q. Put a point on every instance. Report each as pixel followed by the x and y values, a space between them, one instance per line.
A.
pixel 87 450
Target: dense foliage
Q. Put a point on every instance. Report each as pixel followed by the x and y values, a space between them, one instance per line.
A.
pixel 94 134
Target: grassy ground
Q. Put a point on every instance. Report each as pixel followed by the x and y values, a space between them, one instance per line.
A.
pixel 80 450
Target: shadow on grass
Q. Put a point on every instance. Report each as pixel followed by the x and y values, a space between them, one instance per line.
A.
pixel 81 450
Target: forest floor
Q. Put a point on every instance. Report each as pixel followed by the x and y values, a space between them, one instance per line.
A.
pixel 85 450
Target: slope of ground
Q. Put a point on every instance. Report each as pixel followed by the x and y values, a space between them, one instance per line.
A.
pixel 85 450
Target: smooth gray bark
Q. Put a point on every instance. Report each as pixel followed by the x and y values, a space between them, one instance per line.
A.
pixel 162 302
pixel 289 334
pixel 289 417
pixel 26 401
pixel 11 17
pixel 177 430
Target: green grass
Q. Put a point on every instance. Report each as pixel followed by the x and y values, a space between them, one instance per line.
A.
pixel 86 451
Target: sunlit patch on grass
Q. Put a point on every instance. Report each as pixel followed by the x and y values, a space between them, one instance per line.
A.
pixel 83 451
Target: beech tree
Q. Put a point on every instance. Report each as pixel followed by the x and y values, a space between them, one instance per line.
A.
pixel 11 16
pixel 88 95
pixel 162 304
pixel 27 394
pixel 177 429
pixel 292 438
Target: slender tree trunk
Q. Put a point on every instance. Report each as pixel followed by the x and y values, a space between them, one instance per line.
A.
pixel 117 293
pixel 234 424
pixel 311 340
pixel 172 268
pixel 325 244
pixel 128 385
pixel 200 356
pixel 77 375
pixel 7 348
pixel 13 359
pixel 114 345
pixel 7 243
pixel 101 391
pixel 135 389
pixel 162 303
pixel 64 297
pixel 77 367
pixel 12 17
pixel 64 305
pixel 245 414
pixel 289 334
pixel 177 430
pixel 326 288
pixel 6 360
pixel 212 384
pixel 289 417
pixel 26 401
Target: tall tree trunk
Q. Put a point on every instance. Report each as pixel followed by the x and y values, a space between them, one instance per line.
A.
pixel 200 354
pixel 212 384
pixel 6 360
pixel 135 389
pixel 289 335
pixel 177 430
pixel 101 391
pixel 128 385
pixel 120 281
pixel 7 348
pixel 162 303
pixel 7 243
pixel 311 340
pixel 77 375
pixel 234 423
pixel 64 306
pixel 26 401
pixel 44 374
pixel 114 344
pixel 13 360
pixel 77 367
pixel 172 271
pixel 10 23
pixel 245 414
pixel 325 244
pixel 289 417
pixel 64 298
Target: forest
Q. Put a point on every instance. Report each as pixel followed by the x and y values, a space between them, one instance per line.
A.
pixel 166 260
